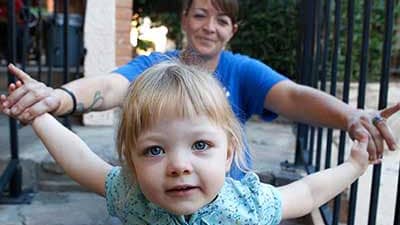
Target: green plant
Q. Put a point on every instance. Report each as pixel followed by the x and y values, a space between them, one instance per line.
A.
pixel 268 32
pixel 376 39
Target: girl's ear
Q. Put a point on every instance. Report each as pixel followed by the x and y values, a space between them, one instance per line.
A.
pixel 229 156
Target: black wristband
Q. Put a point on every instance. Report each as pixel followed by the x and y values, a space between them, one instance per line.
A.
pixel 73 101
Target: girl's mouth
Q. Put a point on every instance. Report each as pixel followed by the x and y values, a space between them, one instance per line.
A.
pixel 181 190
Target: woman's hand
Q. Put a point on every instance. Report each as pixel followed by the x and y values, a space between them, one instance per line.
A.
pixel 373 125
pixel 27 98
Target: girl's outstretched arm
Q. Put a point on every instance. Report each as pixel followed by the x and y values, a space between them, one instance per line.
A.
pixel 72 154
pixel 301 197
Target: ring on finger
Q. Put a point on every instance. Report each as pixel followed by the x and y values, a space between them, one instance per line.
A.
pixel 378 119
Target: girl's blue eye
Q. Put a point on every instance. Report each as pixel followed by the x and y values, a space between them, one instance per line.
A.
pixel 200 145
pixel 154 151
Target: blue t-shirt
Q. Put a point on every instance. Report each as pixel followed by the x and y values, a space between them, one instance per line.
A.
pixel 245 80
pixel 239 202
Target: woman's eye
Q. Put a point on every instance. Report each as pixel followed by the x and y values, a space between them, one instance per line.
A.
pixel 223 22
pixel 199 15
pixel 200 145
pixel 154 151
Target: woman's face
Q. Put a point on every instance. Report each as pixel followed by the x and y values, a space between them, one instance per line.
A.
pixel 207 29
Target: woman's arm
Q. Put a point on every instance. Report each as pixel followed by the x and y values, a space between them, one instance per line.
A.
pixel 301 197
pixel 34 98
pixel 72 154
pixel 308 105
pixel 311 106
pixel 94 94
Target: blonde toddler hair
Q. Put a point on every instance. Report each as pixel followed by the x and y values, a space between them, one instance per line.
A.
pixel 188 92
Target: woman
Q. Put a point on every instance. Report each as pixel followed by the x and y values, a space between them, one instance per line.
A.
pixel 251 86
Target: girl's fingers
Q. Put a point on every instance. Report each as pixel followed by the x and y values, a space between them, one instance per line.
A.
pixel 18 83
pixel 11 87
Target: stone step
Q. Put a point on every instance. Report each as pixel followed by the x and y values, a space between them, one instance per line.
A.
pixel 59 208
pixel 40 171
pixel 73 208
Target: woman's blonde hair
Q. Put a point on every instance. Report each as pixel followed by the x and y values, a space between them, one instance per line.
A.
pixel 184 90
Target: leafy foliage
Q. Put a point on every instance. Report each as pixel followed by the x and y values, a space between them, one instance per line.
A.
pixel 376 38
pixel 269 31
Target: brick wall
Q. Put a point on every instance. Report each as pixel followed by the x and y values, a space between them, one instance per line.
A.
pixel 123 15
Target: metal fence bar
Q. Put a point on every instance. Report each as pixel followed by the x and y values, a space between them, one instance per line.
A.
pixel 361 93
pixel 316 131
pixel 323 73
pixel 39 33
pixel 352 203
pixel 384 84
pixel 81 52
pixel 336 208
pixel 346 82
pixel 7 175
pixel 306 70
pixel 15 179
pixel 387 48
pixel 329 132
pixel 25 29
pixel 364 54
pixel 314 75
pixel 51 45
pixel 333 74
pixel 65 41
pixel 66 121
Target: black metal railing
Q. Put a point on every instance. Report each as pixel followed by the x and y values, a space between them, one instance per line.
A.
pixel 318 61
pixel 12 175
pixel 28 28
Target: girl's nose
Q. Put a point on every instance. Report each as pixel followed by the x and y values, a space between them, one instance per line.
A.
pixel 179 165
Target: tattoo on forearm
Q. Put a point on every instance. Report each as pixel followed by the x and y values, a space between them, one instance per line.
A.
pixel 80 108
pixel 97 101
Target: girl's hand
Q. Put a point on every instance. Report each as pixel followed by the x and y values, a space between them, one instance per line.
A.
pixel 3 98
pixel 359 155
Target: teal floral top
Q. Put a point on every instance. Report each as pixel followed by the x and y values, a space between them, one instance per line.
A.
pixel 239 202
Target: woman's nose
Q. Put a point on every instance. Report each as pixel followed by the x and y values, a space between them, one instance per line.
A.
pixel 179 165
pixel 210 25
